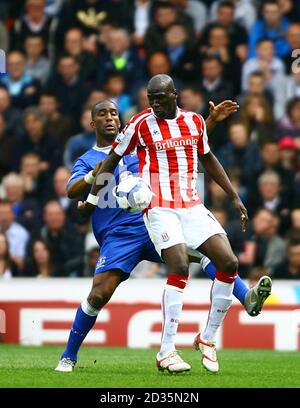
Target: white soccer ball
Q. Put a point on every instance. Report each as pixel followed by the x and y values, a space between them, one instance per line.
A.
pixel 133 193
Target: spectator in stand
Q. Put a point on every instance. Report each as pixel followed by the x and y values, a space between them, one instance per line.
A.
pixel 34 21
pixel 272 67
pixel 4 37
pixel 256 86
pixel 141 20
pixel 165 14
pixel 12 115
pixel 238 37
pixel 115 88
pixel 5 148
pixel 96 95
pixel 80 143
pixel 74 45
pixel 158 63
pixel 24 90
pixel 240 152
pixel 181 52
pixel 293 39
pixel 37 140
pixel 17 235
pixel 289 155
pixel 294 230
pixel 215 87
pixel 192 99
pixel 292 84
pixel 290 123
pixel 290 268
pixel 260 245
pixel 71 90
pixel 26 209
pixel 270 196
pixel 121 58
pixel 59 194
pixel 57 124
pixel 271 156
pixel 257 115
pixel 35 183
pixel 290 9
pixel 142 104
pixel 272 26
pixel 8 267
pixel 64 240
pixel 196 10
pixel 39 262
pixel 245 12
pixel 37 65
pixel 219 45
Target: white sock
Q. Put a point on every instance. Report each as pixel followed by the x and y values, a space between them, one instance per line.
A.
pixel 221 298
pixel 171 306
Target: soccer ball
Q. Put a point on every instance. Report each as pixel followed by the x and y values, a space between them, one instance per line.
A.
pixel 133 194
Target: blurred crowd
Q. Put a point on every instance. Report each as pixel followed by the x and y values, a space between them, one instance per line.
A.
pixel 63 56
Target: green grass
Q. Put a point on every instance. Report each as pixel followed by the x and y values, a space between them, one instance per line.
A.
pixel 107 367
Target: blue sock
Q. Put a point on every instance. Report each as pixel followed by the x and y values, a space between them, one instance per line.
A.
pixel 82 325
pixel 239 289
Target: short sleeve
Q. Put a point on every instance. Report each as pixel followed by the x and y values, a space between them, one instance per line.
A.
pixel 203 146
pixel 79 170
pixel 127 140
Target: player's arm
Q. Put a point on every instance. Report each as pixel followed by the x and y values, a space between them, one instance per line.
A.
pixel 216 171
pixel 106 171
pixel 80 186
pixel 219 112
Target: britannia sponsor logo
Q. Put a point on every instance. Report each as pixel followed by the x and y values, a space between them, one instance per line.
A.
pixel 172 143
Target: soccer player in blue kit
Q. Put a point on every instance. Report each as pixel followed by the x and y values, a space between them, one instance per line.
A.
pixel 122 235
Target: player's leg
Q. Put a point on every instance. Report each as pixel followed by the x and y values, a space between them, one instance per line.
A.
pixel 240 289
pixel 104 285
pixel 218 249
pixel 251 298
pixel 165 232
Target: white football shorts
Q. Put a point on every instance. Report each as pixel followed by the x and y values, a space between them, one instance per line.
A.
pixel 171 226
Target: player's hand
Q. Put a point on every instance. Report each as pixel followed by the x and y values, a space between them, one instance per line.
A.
pixel 222 110
pixel 85 209
pixel 97 168
pixel 239 206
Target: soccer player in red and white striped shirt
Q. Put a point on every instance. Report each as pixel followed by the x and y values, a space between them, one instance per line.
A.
pixel 169 142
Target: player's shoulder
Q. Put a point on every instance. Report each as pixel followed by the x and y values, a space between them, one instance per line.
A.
pixel 94 152
pixel 140 116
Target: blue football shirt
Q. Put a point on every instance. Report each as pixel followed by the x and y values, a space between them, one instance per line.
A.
pixel 108 215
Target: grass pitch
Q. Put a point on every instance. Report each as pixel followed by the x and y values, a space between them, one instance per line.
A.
pixel 108 367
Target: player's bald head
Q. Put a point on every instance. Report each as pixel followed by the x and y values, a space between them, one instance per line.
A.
pixel 107 104
pixel 162 96
pixel 161 83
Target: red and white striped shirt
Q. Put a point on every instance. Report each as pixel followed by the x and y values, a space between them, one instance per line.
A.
pixel 168 152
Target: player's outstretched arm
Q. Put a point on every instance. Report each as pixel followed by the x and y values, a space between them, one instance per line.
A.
pixel 216 171
pixel 80 186
pixel 86 208
pixel 219 112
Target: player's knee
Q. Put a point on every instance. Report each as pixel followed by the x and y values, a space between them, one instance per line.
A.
pixel 230 265
pixel 181 268
pixel 99 298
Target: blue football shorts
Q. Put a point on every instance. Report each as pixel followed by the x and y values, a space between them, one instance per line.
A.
pixel 123 248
